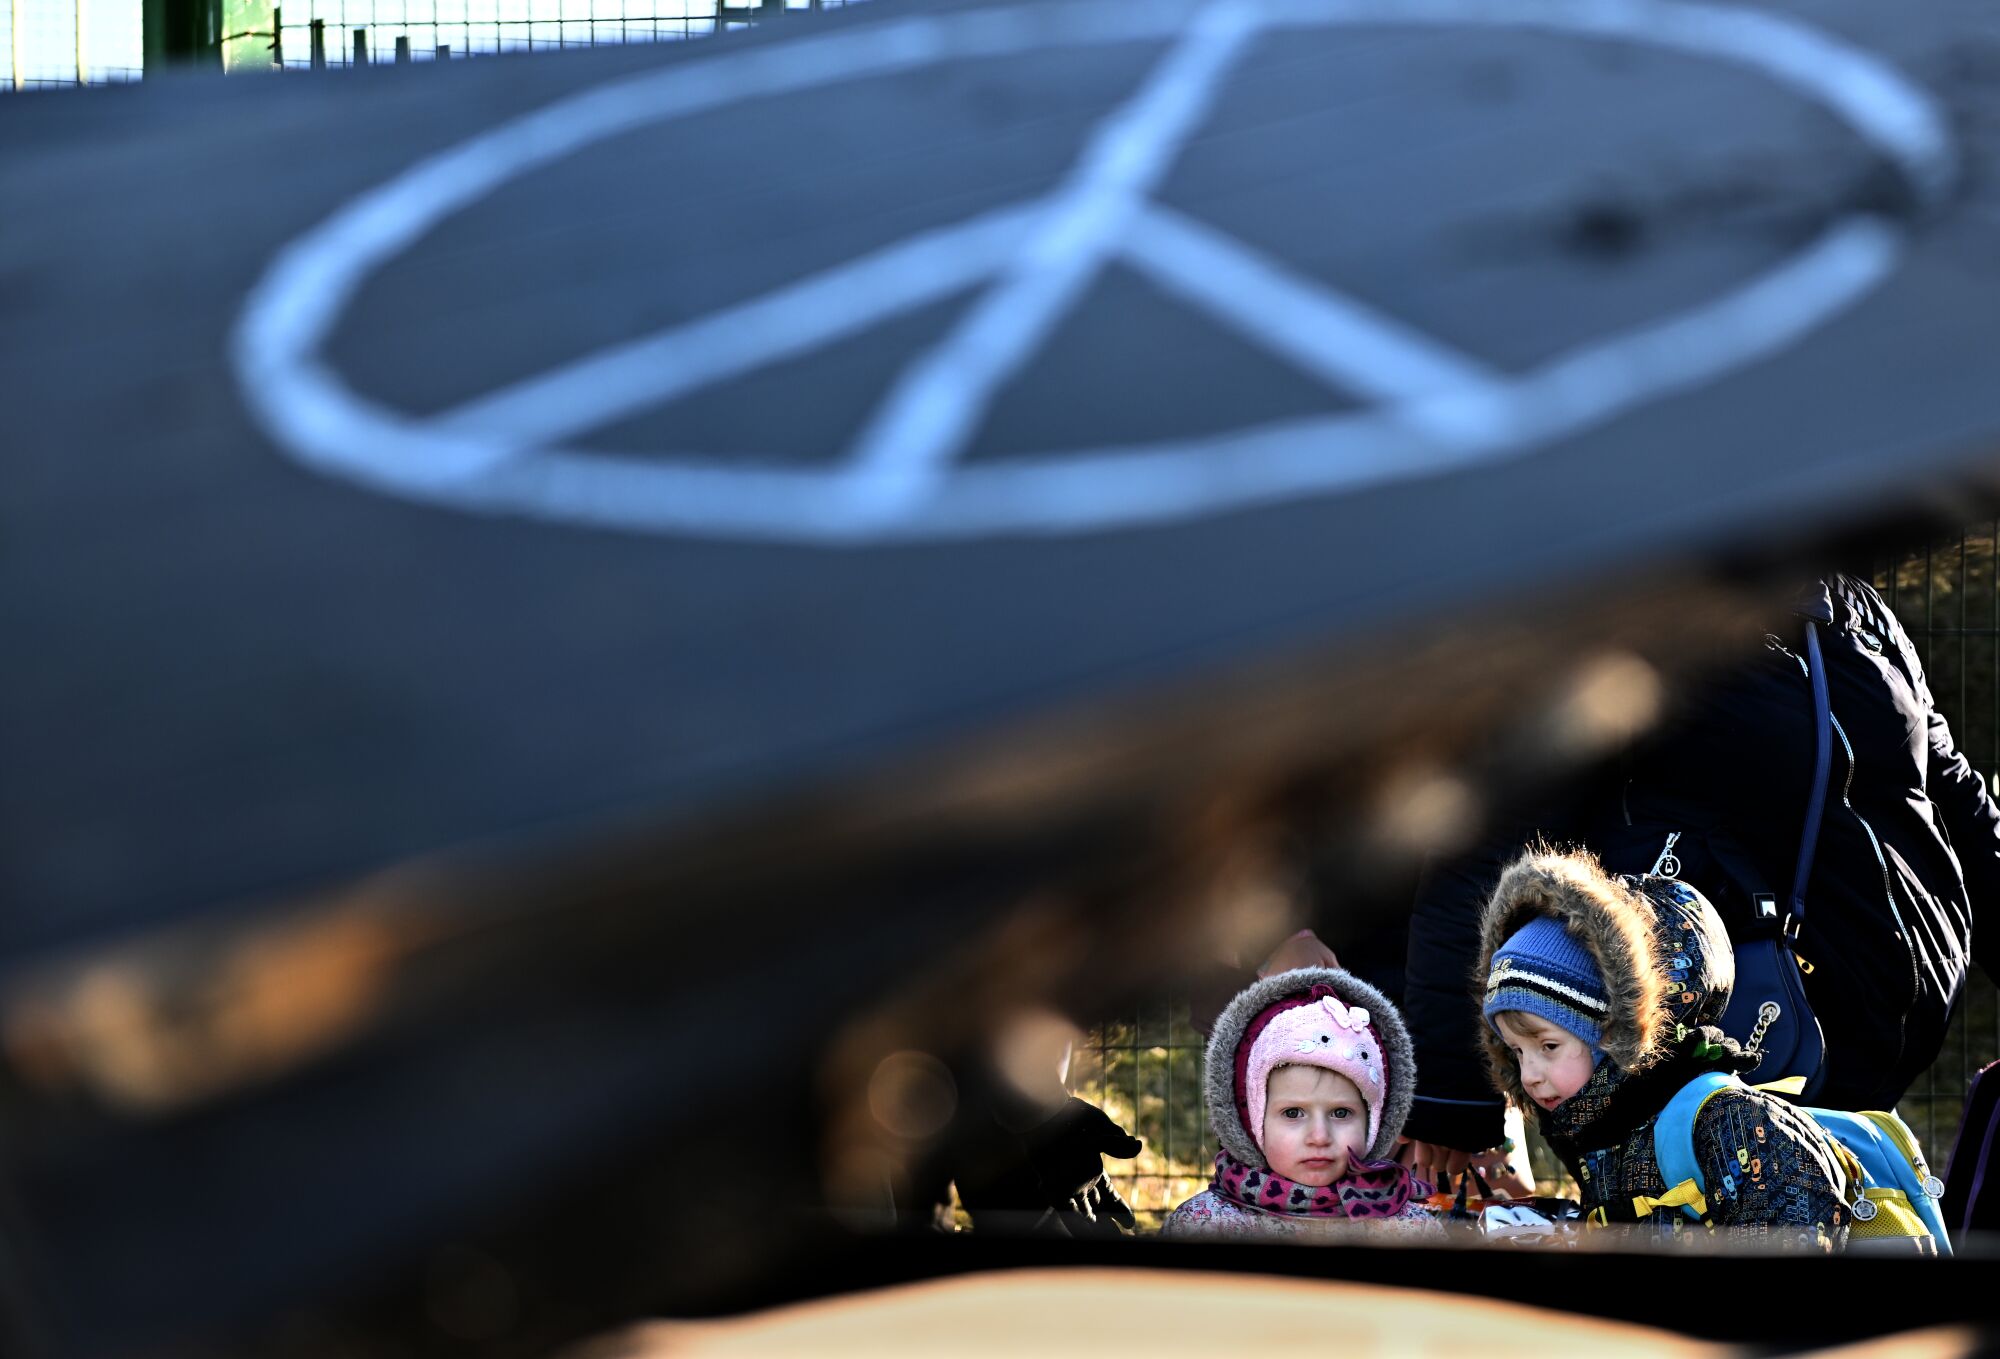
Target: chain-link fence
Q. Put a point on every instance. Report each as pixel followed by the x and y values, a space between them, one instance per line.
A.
pixel 1948 597
pixel 1145 1071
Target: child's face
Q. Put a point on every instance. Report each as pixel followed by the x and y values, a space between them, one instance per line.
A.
pixel 1554 1062
pixel 1315 1124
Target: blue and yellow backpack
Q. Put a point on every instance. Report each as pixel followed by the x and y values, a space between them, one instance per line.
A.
pixel 1890 1191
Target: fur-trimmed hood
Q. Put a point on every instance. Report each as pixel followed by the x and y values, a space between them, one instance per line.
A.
pixel 1694 946
pixel 1233 1026
pixel 1659 946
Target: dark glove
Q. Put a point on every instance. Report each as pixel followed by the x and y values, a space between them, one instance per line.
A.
pixel 1097 1212
pixel 1050 1179
pixel 1068 1151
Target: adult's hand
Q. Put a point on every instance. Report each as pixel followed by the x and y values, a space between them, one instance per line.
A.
pixel 1303 949
pixel 1213 991
pixel 1068 1155
pixel 1433 1161
pixel 1068 1151
pixel 1507 1174
pixel 1508 1167
pixel 1049 1179
pixel 1097 1211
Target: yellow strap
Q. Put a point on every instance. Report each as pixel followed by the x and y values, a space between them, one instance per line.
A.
pixel 1785 1085
pixel 1686 1194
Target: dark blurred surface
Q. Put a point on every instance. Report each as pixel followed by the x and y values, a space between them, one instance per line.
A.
pixel 408 907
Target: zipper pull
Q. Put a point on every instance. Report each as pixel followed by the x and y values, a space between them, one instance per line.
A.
pixel 1667 865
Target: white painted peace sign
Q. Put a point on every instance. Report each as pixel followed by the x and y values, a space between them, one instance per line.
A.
pixel 1434 407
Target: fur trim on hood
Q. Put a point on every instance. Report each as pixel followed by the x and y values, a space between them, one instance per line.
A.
pixel 1399 1055
pixel 1612 922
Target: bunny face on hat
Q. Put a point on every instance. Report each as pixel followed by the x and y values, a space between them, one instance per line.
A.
pixel 1324 1034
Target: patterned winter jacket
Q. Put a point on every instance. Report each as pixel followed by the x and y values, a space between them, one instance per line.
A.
pixel 1668 969
pixel 1209 1214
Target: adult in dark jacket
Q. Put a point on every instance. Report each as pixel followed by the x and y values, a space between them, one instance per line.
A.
pixel 1908 852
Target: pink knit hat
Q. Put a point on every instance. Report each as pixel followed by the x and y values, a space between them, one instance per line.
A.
pixel 1325 1034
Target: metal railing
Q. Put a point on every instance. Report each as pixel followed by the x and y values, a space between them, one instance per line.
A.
pixel 54 43
pixel 343 33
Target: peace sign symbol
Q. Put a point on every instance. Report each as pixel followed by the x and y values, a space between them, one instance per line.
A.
pixel 1433 406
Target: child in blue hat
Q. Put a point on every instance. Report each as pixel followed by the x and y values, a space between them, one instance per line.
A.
pixel 1546 1000
pixel 1601 996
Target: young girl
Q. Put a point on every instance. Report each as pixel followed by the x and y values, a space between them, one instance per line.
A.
pixel 1309 1076
pixel 1601 998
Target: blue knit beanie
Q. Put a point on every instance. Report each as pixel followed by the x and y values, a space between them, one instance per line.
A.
pixel 1545 970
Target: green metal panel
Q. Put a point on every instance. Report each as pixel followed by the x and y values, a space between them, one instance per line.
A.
pixel 247 28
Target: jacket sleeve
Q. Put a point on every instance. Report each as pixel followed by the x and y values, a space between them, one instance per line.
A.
pixel 1970 820
pixel 1771 1169
pixel 1456 1104
pixel 1973 823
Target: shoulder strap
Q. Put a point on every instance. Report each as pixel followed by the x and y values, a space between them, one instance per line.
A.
pixel 1822 769
pixel 1673 1131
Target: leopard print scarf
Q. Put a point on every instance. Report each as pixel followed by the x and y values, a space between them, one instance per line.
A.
pixel 1370 1189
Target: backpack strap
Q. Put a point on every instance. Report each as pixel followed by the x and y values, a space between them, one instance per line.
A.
pixel 1822 769
pixel 1673 1140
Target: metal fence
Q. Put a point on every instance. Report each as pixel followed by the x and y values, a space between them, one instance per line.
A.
pixel 1145 1071
pixel 86 42
pixel 344 32
pixel 1948 597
